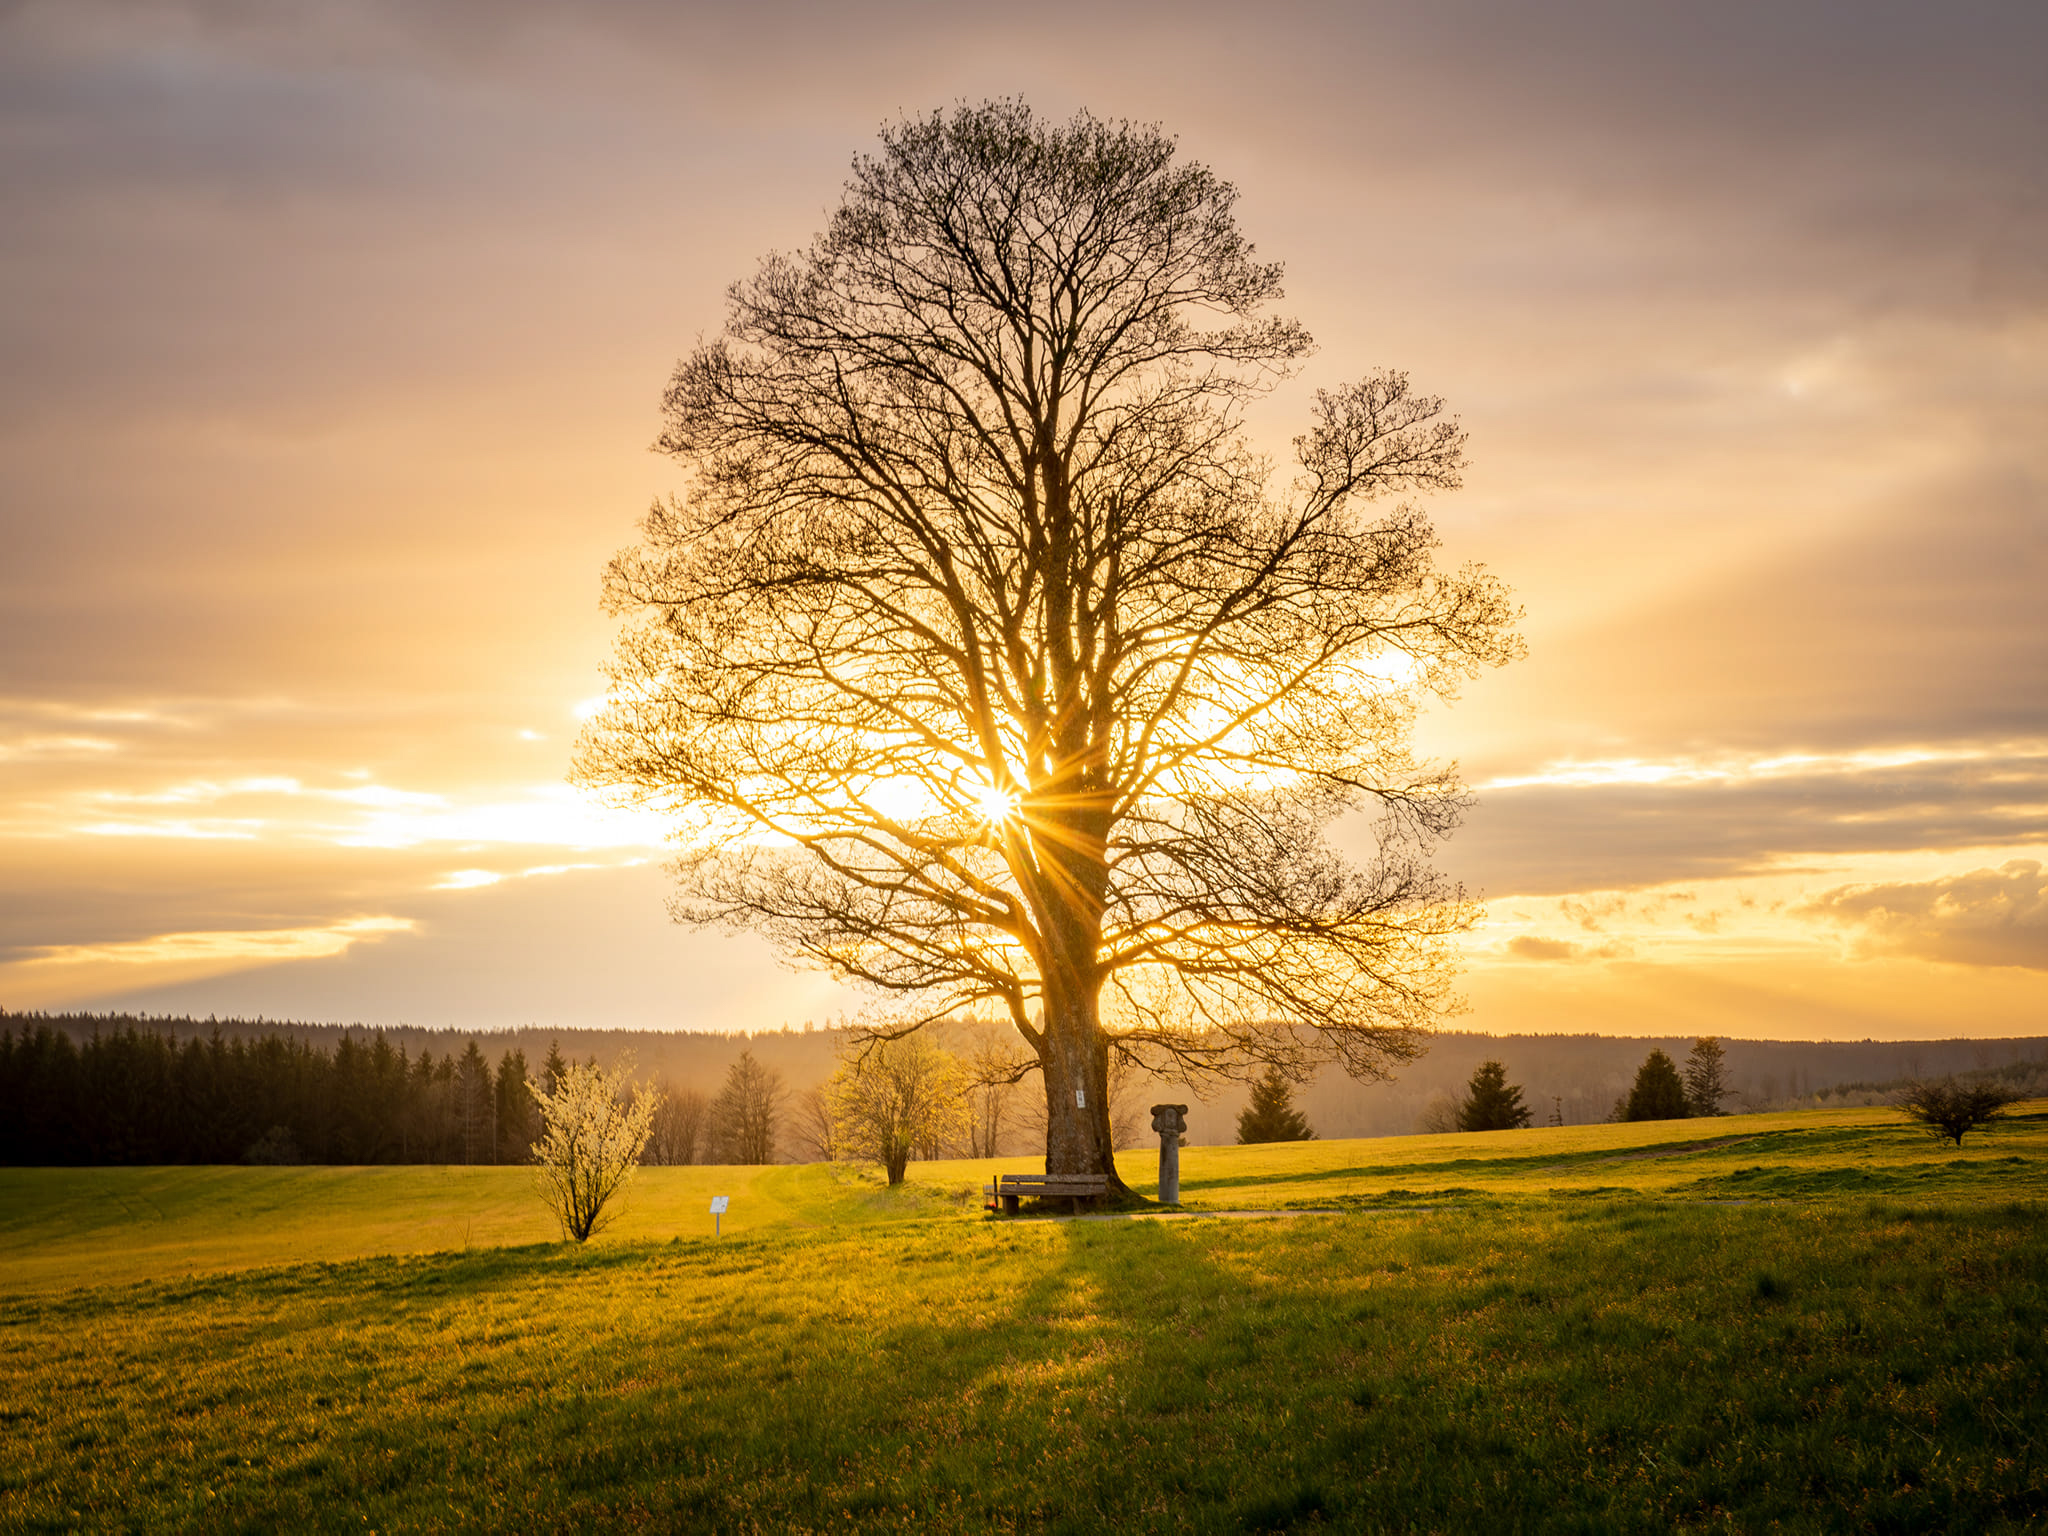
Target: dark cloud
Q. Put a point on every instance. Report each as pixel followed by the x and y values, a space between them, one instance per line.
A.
pixel 113 890
pixel 233 225
pixel 1916 625
pixel 1527 947
pixel 1990 917
pixel 1550 839
pixel 585 949
pixel 61 764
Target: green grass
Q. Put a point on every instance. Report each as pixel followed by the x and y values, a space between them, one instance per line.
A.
pixel 1549 1331
pixel 1864 1151
pixel 61 1227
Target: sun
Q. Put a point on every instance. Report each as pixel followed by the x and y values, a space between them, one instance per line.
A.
pixel 996 805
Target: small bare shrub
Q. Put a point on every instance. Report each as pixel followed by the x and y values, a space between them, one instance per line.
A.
pixel 1949 1110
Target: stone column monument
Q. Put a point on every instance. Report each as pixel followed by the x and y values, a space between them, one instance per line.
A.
pixel 1169 1120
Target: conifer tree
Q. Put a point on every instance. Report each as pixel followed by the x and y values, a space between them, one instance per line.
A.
pixel 421 1123
pixel 386 1083
pixel 1658 1093
pixel 745 1115
pixel 1271 1115
pixel 475 1107
pixel 1704 1087
pixel 518 1114
pixel 1491 1102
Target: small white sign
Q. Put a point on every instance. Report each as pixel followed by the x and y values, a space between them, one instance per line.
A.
pixel 1080 1098
pixel 718 1204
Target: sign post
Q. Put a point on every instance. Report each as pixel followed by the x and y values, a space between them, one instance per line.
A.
pixel 718 1214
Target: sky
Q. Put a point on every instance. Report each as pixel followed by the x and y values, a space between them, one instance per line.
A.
pixel 332 342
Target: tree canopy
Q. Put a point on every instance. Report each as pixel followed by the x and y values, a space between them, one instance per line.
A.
pixel 983 661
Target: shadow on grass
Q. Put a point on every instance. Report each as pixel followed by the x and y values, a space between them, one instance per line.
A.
pixel 470 1274
pixel 1473 1372
pixel 2017 1175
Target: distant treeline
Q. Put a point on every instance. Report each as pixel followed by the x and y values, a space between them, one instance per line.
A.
pixel 142 1094
pixel 682 1059
pixel 85 1088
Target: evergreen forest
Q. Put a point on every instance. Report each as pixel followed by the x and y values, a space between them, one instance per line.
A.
pixel 141 1094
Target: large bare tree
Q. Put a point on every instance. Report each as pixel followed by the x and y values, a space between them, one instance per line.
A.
pixel 984 662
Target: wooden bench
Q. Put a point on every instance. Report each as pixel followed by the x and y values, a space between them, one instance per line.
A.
pixel 1009 1188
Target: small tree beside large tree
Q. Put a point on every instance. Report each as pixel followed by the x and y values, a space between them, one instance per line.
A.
pixel 984 662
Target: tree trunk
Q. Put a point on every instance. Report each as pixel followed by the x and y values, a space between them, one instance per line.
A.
pixel 1075 1062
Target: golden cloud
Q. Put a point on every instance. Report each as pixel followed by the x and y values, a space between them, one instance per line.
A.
pixel 1994 917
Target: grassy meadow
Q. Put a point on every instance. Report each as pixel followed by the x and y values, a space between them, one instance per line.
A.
pixel 1804 1321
